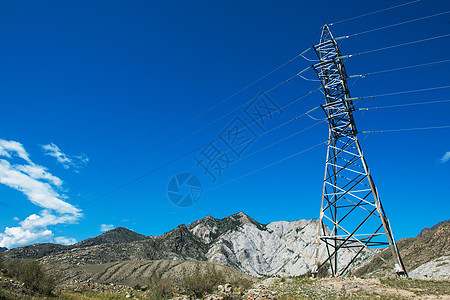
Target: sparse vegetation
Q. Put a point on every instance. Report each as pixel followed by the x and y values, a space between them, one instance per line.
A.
pixel 419 287
pixel 2 262
pixel 198 282
pixel 160 288
pixel 31 273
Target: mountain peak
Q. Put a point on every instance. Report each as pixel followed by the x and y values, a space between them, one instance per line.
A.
pixel 435 227
pixel 209 228
pixel 117 235
pixel 242 218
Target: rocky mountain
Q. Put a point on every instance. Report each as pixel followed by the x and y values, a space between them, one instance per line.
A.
pixel 283 248
pixel 277 248
pixel 177 244
pixel 35 251
pixel 117 235
pixel 435 227
pixel 425 256
pixel 3 249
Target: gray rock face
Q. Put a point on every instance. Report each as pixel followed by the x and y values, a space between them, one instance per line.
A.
pixel 280 248
pixel 438 268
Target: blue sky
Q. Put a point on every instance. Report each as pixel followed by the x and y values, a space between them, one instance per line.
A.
pixel 96 94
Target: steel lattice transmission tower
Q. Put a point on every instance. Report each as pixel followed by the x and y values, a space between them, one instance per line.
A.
pixel 351 215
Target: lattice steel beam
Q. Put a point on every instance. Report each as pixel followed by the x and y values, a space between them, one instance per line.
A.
pixel 351 215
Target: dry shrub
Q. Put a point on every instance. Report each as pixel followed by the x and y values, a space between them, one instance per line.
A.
pixel 199 282
pixel 159 288
pixel 31 273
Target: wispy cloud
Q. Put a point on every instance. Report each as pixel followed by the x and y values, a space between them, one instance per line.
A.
pixel 67 161
pixel 41 188
pixel 106 227
pixel 445 158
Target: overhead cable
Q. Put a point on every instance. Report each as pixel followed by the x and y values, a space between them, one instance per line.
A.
pixel 400 69
pixel 267 166
pixel 201 114
pixel 402 105
pixel 395 46
pixel 372 13
pixel 401 23
pixel 406 129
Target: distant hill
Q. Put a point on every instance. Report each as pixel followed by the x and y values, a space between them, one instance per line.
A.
pixel 117 235
pixel 3 249
pixel 431 244
pixel 135 272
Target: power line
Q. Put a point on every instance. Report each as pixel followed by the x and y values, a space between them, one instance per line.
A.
pixel 255 152
pixel 402 105
pixel 265 167
pixel 195 132
pixel 398 45
pixel 406 92
pixel 203 113
pixel 406 129
pixel 400 69
pixel 198 148
pixel 299 74
pixel 372 13
pixel 398 24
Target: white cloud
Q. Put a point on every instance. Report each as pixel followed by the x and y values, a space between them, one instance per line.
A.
pixel 445 158
pixel 39 186
pixel 67 161
pixel 64 240
pixel 11 147
pixel 13 236
pixel 16 219
pixel 106 227
pixel 37 191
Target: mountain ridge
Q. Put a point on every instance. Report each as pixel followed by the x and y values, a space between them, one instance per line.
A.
pixel 277 248
pixel 117 235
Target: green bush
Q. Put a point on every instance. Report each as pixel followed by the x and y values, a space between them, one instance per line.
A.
pixel 324 271
pixel 237 281
pixel 2 261
pixel 159 288
pixel 200 282
pixel 31 273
